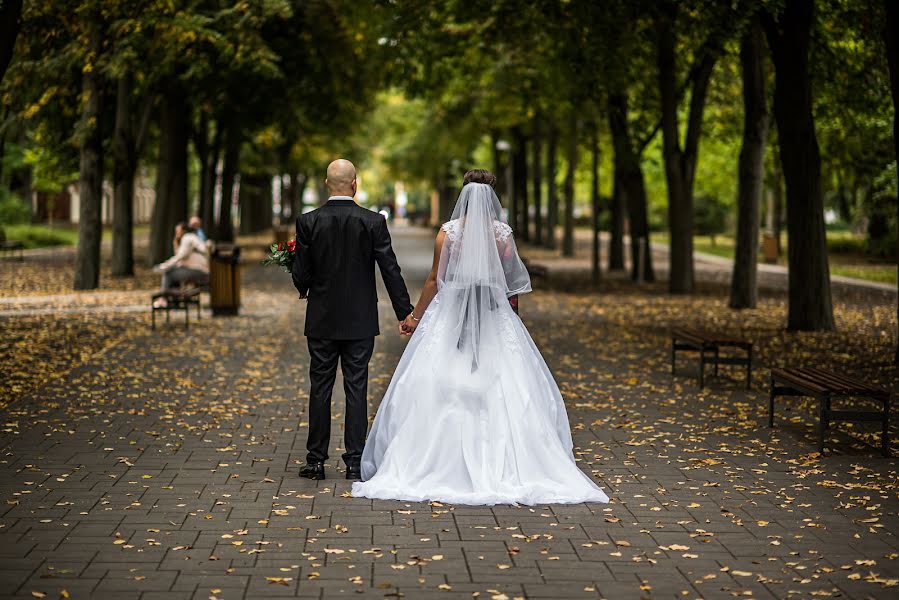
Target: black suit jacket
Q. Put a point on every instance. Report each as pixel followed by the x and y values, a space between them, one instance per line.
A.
pixel 338 245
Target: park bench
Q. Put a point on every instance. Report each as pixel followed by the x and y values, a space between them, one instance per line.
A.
pixel 709 346
pixel 535 270
pixel 178 299
pixel 12 249
pixel 825 386
pixel 9 248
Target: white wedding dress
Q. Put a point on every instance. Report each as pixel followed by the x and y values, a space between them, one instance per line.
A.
pixel 473 415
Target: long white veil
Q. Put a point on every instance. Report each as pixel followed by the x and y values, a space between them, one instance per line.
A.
pixel 479 267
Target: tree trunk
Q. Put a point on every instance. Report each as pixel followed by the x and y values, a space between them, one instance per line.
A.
pixel 208 176
pixel 6 111
pixel 255 203
pixel 171 174
pixel 498 170
pixel 124 167
pixel 225 227
pixel 208 154
pixel 201 148
pixel 520 175
pixel 297 187
pixel 891 30
pixel 743 284
pixel 446 197
pixel 10 23
pixel 537 176
pixel 616 220
pixel 680 163
pixel 634 188
pixel 568 231
pixel 90 179
pixel 778 204
pixel 552 195
pixel 322 190
pixel 810 307
pixel 594 199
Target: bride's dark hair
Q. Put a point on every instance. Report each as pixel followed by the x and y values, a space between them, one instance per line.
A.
pixel 479 176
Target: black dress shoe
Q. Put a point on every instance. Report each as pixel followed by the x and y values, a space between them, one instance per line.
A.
pixel 313 471
pixel 354 473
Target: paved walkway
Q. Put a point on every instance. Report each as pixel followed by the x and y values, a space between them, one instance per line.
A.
pixel 166 467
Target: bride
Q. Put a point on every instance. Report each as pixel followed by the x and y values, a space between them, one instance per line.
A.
pixel 473 415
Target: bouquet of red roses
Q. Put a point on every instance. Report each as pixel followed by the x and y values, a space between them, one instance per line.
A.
pixel 282 255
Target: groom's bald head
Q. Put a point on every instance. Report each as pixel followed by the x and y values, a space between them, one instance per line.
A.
pixel 341 179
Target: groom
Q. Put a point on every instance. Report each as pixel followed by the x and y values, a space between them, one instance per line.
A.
pixel 338 245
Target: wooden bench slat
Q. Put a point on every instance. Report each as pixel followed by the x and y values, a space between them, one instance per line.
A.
pixel 688 335
pixel 850 383
pixel 837 382
pixel 708 337
pixel 826 382
pixel 794 377
pixel 799 377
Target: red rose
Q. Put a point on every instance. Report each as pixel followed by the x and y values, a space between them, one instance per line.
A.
pixel 292 245
pixel 280 246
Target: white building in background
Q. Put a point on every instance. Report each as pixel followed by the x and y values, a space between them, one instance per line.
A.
pixel 65 206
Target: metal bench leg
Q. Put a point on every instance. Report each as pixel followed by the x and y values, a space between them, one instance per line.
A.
pixel 673 354
pixel 823 421
pixel 701 368
pixel 771 405
pixel 186 317
pixel 168 312
pixel 716 361
pixel 749 368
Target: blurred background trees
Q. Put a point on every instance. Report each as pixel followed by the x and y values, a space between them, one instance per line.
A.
pixel 652 121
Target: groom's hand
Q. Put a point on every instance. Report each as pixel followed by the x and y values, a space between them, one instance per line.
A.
pixel 408 326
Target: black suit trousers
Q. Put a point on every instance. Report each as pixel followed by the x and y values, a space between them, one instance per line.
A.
pixel 353 356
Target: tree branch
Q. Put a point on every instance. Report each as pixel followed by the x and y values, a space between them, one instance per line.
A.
pixel 712 47
pixel 697 104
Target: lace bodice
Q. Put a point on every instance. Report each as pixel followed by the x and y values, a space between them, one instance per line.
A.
pixel 454 228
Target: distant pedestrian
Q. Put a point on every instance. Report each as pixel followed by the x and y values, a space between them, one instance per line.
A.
pixel 196 223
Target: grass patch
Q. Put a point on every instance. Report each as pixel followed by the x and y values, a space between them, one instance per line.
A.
pixel 41 236
pixel 846 255
pixel 44 236
pixel 878 273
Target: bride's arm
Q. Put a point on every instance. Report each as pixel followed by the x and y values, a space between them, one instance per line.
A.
pixel 430 288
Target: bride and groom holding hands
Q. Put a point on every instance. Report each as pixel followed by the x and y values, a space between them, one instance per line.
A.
pixel 472 414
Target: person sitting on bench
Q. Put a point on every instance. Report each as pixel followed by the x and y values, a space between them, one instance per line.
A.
pixel 190 264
